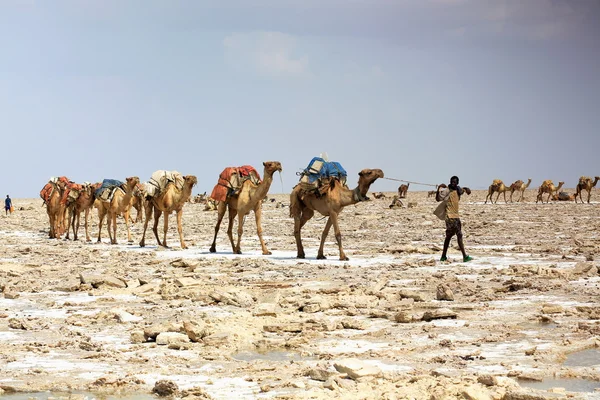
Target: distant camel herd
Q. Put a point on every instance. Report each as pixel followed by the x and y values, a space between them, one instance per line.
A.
pixel 66 200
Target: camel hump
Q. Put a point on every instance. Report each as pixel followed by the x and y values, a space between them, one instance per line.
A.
pixel 584 179
pixel 497 182
pixel 547 182
pixel 320 172
pixel 160 179
pixel 231 180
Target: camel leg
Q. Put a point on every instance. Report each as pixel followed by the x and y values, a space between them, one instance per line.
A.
pixel 589 196
pixel 232 214
pixel 165 228
pixel 101 214
pixel 486 197
pixel 320 255
pixel 113 219
pixel 69 221
pixel 299 221
pixel 148 210
pixel 504 193
pixel 258 217
pixel 129 239
pixel 180 228
pixel 338 236
pixel 51 219
pixel 86 216
pixel 157 214
pixel 220 214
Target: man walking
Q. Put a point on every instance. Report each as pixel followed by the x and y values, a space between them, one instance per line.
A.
pixel 7 205
pixel 451 195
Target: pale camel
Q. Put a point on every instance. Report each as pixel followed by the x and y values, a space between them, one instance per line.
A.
pixel 379 195
pixel 55 209
pixel 497 186
pixel 519 186
pixel 396 202
pixel 330 203
pixel 170 199
pixel 402 190
pixel 84 202
pixel 548 187
pixel 585 183
pixel 249 198
pixel 118 205
pixel 137 201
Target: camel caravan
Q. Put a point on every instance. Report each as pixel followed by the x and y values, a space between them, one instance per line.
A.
pixel 239 190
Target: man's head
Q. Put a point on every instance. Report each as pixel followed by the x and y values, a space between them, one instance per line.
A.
pixel 454 180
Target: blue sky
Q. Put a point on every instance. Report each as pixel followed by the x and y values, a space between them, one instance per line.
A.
pixel 423 89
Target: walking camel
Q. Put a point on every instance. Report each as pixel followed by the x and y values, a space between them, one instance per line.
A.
pixel 519 186
pixel 585 183
pixel 84 202
pixel 249 198
pixel 52 193
pixel 171 199
pixel 548 187
pixel 329 204
pixel 402 190
pixel 497 186
pixel 119 204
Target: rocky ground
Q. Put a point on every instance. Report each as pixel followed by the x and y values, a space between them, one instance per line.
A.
pixel 392 323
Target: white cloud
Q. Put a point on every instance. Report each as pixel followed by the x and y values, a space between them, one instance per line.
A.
pixel 268 53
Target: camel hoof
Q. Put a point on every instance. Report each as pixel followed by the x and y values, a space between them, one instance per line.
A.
pixel 184 247
pixel 237 252
pixel 267 253
pixel 321 257
pixel 344 259
pixel 300 256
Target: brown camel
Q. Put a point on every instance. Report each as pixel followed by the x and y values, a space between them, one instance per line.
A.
pixel 137 201
pixel 402 190
pixel 330 203
pixel 52 194
pixel 519 186
pixel 170 199
pixel 119 204
pixel 496 187
pixel 249 198
pixel 379 195
pixel 548 187
pixel 84 202
pixel 585 183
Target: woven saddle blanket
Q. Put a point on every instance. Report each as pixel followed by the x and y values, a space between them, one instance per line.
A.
pixel 231 181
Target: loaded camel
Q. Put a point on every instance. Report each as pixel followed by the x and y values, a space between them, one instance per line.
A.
pixel 137 201
pixel 170 199
pixel 329 204
pixel 249 198
pixel 52 194
pixel 548 187
pixel 118 205
pixel 402 190
pixel 497 186
pixel 84 202
pixel 585 183
pixel 519 186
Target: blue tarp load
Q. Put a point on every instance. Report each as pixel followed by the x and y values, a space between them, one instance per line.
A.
pixel 319 169
pixel 107 184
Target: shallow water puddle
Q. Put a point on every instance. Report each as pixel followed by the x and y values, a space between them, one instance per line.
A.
pixel 275 355
pixel 570 385
pixel 584 358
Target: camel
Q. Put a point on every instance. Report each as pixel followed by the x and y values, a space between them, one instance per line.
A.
pixel 396 202
pixel 54 208
pixel 119 204
pixel 402 190
pixel 249 198
pixel 84 202
pixel 329 204
pixel 170 199
pixel 548 187
pixel 519 186
pixel 585 183
pixel 137 201
pixel 379 195
pixel 498 187
pixel 563 196
pixel 432 193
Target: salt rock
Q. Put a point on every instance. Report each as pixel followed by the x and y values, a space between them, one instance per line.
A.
pixel 356 368
pixel 440 313
pixel 166 338
pixel 443 292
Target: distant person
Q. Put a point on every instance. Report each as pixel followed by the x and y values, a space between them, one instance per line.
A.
pixel 8 205
pixel 451 196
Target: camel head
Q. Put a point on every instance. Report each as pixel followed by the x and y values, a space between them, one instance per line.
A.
pixel 560 185
pixel 596 179
pixel 132 181
pixel 190 180
pixel 366 177
pixel 272 166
